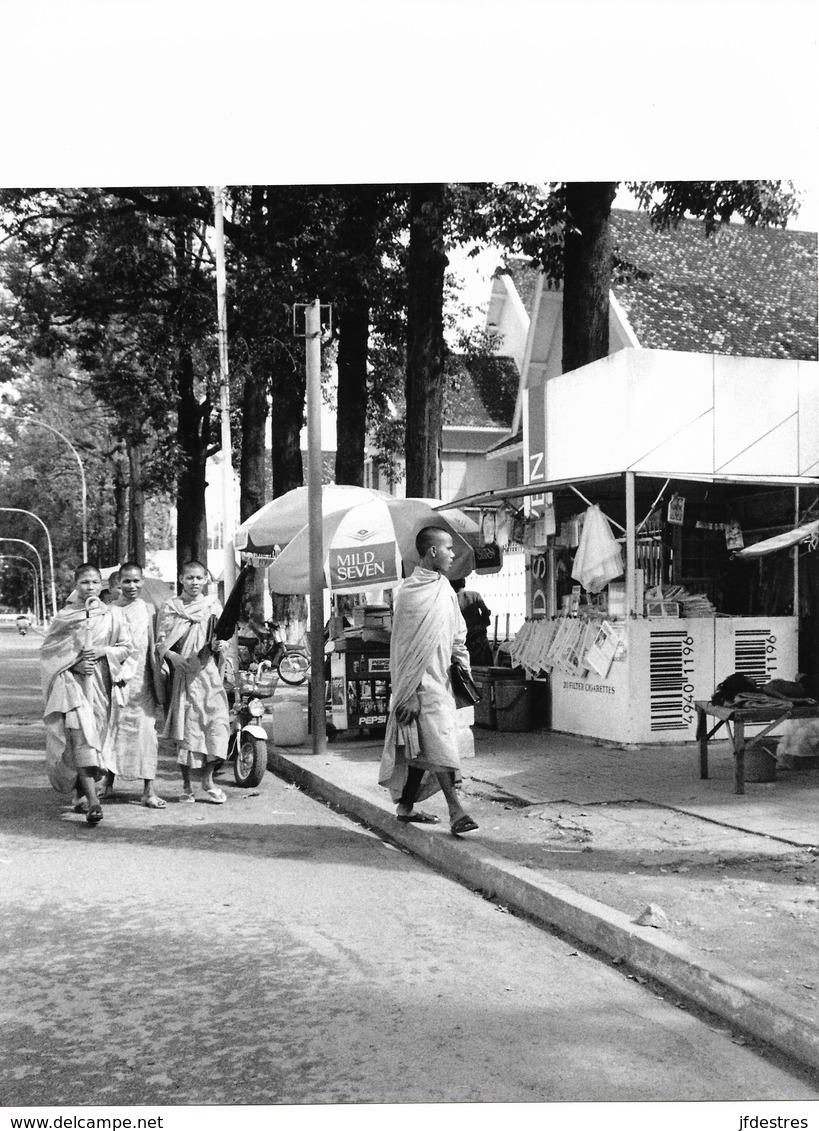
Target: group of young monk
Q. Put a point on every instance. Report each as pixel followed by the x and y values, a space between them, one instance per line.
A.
pixel 104 668
pixel 117 676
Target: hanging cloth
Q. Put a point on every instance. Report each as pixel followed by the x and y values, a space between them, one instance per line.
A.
pixel 598 559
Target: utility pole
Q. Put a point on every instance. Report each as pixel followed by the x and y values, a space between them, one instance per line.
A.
pixel 44 610
pixel 228 518
pixel 31 514
pixel 312 334
pixel 83 485
pixel 20 558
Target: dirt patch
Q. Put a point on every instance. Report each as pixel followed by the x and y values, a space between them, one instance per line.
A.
pixel 749 900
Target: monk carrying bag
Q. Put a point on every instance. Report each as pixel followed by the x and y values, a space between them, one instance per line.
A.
pixel 464 687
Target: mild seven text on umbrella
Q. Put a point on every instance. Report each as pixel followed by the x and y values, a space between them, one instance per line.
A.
pixel 376 564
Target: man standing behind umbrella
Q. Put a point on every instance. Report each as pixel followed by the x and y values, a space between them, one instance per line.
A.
pixel 428 633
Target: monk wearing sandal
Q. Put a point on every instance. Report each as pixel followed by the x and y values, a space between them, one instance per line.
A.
pixel 84 665
pixel 133 739
pixel 197 716
pixel 428 634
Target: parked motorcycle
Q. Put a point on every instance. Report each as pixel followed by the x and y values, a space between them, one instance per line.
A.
pixel 291 662
pixel 247 745
pixel 22 625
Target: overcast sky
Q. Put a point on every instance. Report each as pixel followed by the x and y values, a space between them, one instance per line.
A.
pixel 269 91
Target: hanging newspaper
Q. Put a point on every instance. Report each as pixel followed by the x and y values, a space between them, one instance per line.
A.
pixel 600 655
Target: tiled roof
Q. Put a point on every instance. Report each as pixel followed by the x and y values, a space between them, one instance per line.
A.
pixel 480 392
pixel 524 277
pixel 745 291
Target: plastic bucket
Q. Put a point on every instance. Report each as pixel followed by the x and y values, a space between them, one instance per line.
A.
pixel 289 723
pixel 485 709
pixel 760 763
pixel 507 701
pixel 514 705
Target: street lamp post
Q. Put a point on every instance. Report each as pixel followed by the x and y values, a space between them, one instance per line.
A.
pixel 22 542
pixel 37 589
pixel 19 510
pixel 42 424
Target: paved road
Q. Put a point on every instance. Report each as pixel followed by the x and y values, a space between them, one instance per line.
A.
pixel 269 951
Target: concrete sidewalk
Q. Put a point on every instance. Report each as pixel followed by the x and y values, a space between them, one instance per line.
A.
pixel 585 837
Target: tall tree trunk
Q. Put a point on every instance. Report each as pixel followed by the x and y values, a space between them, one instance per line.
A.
pixel 351 416
pixel 120 508
pixel 192 427
pixel 425 339
pixel 252 462
pixel 587 272
pixel 358 243
pixel 252 469
pixel 136 506
pixel 287 413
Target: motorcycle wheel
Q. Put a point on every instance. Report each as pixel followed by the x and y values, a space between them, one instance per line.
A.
pixel 251 762
pixel 293 668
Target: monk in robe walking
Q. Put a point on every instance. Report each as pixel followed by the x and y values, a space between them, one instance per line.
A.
pixel 421 743
pixel 83 664
pixel 133 746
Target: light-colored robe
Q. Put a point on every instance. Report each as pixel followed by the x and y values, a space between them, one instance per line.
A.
pixel 428 633
pixel 133 740
pixel 196 714
pixel 79 710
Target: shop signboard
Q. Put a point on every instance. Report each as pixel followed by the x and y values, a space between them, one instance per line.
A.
pixel 592 706
pixel 540 576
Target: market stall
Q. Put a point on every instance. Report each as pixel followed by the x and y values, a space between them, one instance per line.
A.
pixel 648 472
pixel 368 545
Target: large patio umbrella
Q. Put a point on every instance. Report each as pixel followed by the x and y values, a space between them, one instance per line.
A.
pixel 278 522
pixel 366 545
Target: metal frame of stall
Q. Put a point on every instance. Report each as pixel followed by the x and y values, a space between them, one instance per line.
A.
pixel 633 704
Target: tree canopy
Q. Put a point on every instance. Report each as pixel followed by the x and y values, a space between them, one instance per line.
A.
pixel 112 291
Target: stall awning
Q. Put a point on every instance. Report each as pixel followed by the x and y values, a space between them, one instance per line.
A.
pixel 807 533
pixel 492 498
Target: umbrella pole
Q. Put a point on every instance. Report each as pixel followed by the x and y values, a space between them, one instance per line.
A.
pixel 314 506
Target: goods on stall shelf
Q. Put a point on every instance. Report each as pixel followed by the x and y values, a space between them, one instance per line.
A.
pixel 691 604
pixel 573 645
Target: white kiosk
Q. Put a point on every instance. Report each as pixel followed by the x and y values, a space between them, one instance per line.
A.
pixel 731 444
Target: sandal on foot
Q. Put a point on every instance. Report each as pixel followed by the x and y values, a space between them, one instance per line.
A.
pixel 215 795
pixel 80 806
pixel 94 814
pixel 464 824
pixel 154 802
pixel 418 818
pixel 187 796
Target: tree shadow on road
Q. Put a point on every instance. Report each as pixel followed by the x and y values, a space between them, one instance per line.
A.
pixel 259 823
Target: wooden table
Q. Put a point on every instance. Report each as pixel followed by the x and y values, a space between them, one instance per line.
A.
pixel 739 716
